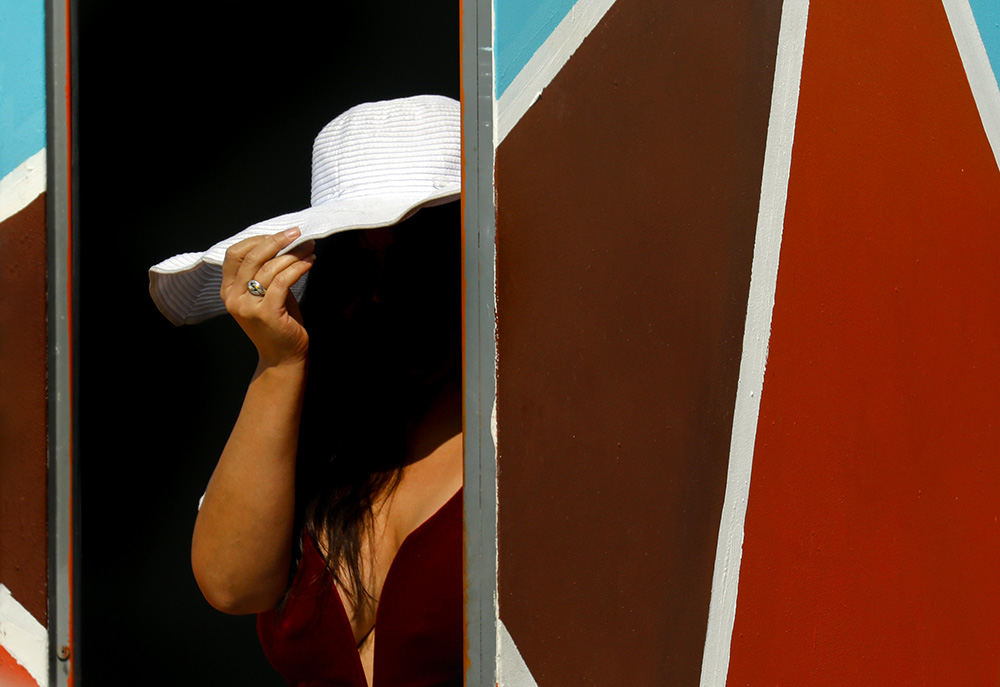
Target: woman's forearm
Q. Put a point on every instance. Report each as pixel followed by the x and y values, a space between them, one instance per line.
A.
pixel 241 547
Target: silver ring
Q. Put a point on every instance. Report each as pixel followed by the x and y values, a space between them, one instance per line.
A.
pixel 256 288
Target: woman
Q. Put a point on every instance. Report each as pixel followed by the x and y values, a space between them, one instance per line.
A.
pixel 334 511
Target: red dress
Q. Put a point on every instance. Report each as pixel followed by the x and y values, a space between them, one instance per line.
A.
pixel 418 619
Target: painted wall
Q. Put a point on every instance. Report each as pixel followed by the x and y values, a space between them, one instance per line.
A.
pixel 873 527
pixel 699 189
pixel 23 345
pixel 521 27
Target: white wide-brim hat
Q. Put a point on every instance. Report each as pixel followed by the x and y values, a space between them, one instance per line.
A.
pixel 372 166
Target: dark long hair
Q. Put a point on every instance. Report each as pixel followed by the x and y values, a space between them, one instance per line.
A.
pixel 383 311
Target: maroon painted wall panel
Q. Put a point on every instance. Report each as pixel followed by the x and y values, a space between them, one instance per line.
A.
pixel 23 407
pixel 626 211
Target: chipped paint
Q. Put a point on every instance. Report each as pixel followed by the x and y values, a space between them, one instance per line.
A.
pixel 22 185
pixel 23 637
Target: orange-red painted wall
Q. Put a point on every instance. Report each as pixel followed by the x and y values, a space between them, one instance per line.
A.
pixel 872 543
pixel 12 673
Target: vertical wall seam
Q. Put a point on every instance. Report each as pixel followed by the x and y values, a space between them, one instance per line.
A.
pixel 760 305
pixel 976 62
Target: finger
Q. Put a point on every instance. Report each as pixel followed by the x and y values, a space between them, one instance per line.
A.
pixel 272 267
pixel 235 255
pixel 283 281
pixel 264 251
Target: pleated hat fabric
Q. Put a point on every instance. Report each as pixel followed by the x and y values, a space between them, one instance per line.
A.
pixel 372 166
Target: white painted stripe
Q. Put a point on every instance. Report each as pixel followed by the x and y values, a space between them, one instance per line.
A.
pixel 22 185
pixel 511 668
pixel 977 67
pixel 550 57
pixel 23 637
pixel 760 304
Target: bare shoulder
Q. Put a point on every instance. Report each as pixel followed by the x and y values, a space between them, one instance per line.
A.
pixel 426 485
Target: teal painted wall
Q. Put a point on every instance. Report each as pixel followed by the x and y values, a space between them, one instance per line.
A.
pixel 987 13
pixel 520 27
pixel 22 81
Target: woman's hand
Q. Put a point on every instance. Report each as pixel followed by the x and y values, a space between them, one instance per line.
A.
pixel 273 321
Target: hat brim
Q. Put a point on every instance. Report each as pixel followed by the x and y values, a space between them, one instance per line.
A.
pixel 186 287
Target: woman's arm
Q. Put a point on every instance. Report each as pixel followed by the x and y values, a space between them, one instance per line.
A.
pixel 242 539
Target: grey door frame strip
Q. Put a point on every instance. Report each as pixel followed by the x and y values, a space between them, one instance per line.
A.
pixel 59 58
pixel 480 344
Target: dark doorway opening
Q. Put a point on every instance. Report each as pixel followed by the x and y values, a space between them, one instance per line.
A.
pixel 194 120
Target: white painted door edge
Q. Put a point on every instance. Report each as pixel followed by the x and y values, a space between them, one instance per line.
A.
pixel 756 335
pixel 976 61
pixel 550 57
